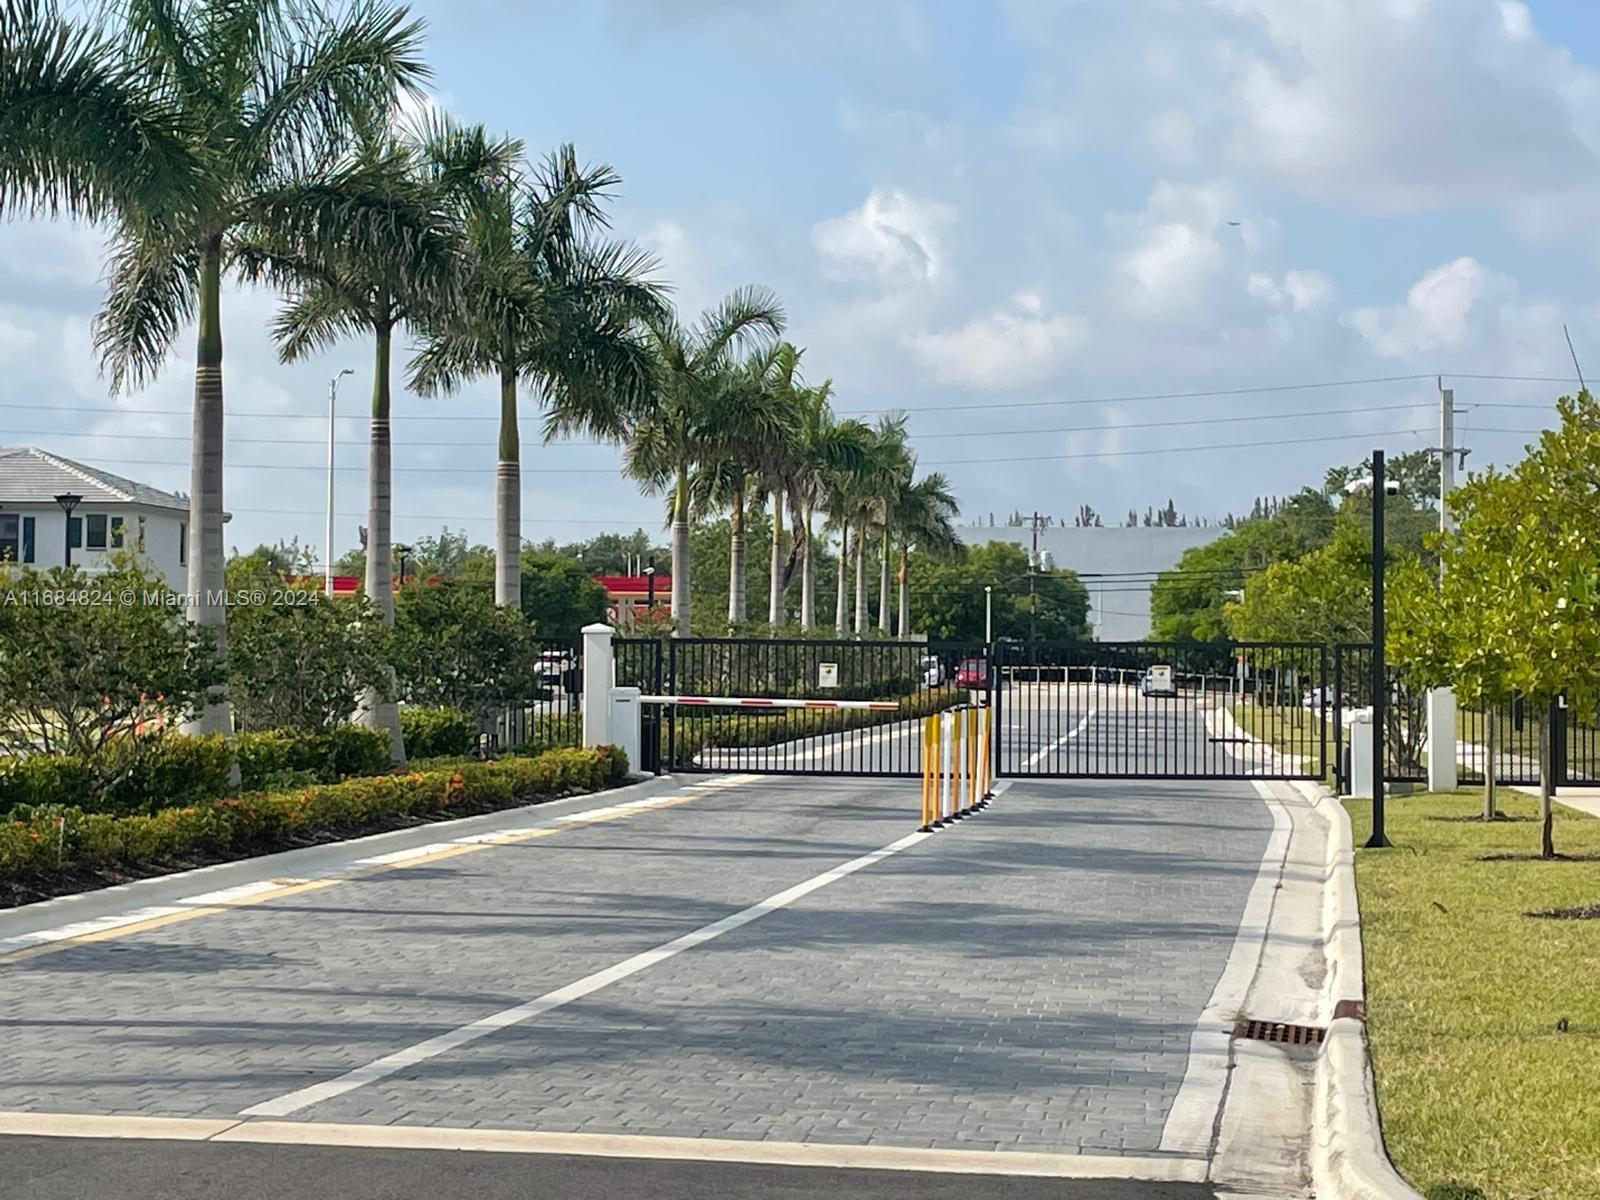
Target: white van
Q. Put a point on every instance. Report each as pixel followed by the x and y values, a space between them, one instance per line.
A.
pixel 1158 681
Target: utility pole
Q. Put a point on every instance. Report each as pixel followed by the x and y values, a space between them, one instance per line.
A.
pixel 1380 674
pixel 1033 596
pixel 1448 453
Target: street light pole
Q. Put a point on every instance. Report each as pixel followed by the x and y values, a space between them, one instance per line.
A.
pixel 988 614
pixel 650 586
pixel 1380 674
pixel 327 552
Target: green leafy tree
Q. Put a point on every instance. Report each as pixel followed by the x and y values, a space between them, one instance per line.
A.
pixel 551 304
pixel 951 598
pixel 1518 611
pixel 454 646
pixel 104 682
pixel 184 127
pixel 559 595
pixel 924 517
pixel 296 659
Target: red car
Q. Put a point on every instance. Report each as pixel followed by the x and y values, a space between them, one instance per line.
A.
pixel 973 674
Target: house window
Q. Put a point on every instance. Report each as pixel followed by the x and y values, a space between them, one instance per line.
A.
pixel 183 544
pixel 139 541
pixel 95 531
pixel 10 538
pixel 117 527
pixel 75 533
pixel 27 539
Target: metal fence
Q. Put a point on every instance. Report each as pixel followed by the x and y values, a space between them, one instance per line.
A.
pixel 922 677
pixel 1151 710
pixel 549 717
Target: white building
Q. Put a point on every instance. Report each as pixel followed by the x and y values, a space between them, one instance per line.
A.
pixel 112 514
pixel 1116 563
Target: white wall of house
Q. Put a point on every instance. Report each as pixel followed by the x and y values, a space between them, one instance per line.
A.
pixel 157 534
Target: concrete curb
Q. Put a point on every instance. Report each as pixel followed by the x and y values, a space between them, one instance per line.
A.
pixel 1348 1159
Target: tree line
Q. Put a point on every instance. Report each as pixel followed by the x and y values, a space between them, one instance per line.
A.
pixel 263 142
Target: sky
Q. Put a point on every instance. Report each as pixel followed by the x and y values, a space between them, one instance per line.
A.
pixel 1035 226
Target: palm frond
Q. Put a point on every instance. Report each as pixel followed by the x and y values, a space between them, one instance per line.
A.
pixel 746 314
pixel 82 131
pixel 445 360
pixel 336 77
pixel 315 320
pixel 151 295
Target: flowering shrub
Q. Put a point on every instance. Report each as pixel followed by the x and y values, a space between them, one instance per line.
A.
pixel 40 840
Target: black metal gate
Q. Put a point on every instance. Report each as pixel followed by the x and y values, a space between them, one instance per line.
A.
pixel 1150 710
pixel 921 678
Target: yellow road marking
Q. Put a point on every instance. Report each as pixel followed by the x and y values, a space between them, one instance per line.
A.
pixel 293 887
pixel 1171 1168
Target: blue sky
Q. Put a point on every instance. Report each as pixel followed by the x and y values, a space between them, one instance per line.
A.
pixel 985 213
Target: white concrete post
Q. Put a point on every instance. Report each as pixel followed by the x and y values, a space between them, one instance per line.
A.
pixel 1442 776
pixel 626 723
pixel 1361 756
pixel 599 674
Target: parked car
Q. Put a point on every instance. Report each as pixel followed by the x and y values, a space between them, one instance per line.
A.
pixel 1318 697
pixel 558 671
pixel 973 674
pixel 1158 681
pixel 933 672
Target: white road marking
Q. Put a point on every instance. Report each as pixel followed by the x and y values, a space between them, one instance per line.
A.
pixel 1191 1122
pixel 1083 723
pixel 410 1056
pixel 243 892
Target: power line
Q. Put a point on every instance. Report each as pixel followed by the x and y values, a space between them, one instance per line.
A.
pixel 1336 437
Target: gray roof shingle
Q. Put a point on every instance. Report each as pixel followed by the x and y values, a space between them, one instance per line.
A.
pixel 29 475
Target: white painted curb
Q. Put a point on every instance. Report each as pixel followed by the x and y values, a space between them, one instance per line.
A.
pixel 1348 1159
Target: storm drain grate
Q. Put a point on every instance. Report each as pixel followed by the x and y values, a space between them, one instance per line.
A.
pixel 1277 1031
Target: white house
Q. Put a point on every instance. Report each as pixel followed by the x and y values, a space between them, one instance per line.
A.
pixel 111 514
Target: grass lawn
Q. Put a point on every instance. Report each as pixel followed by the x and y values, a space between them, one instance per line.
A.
pixel 1482 1094
pixel 1289 730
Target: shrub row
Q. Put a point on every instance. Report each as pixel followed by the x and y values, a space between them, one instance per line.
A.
pixel 57 838
pixel 181 770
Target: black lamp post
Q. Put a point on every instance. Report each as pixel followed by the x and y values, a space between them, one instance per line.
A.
pixel 68 501
pixel 650 586
pixel 402 550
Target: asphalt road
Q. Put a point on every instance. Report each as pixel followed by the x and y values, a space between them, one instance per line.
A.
pixel 72 1168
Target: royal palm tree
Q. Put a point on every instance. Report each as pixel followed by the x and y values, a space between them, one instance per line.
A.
pixel 685 423
pixel 179 125
pixel 824 450
pixel 925 514
pixel 413 276
pixel 551 304
pixel 747 449
pixel 856 503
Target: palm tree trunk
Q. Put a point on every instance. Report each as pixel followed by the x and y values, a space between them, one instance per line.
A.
pixel 883 584
pixel 680 554
pixel 808 577
pixel 775 567
pixel 903 626
pixel 861 578
pixel 375 711
pixel 206 606
pixel 508 497
pixel 736 589
pixel 843 572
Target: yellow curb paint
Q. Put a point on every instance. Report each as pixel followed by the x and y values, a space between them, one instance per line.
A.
pixel 296 887
pixel 1172 1169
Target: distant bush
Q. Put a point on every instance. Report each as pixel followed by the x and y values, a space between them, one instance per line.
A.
pixel 437 732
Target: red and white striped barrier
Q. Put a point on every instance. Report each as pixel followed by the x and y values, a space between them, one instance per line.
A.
pixel 757 702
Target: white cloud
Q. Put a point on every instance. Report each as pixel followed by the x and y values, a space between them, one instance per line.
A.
pixel 1012 348
pixel 893 237
pixel 1298 291
pixel 1435 313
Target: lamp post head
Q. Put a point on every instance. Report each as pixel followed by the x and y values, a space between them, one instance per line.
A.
pixel 69 501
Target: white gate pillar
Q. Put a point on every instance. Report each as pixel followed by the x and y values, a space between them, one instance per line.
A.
pixel 1442 776
pixel 599 674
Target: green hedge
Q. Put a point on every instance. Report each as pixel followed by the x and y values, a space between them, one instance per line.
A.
pixel 438 732
pixel 58 838
pixel 339 753
pixel 182 770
